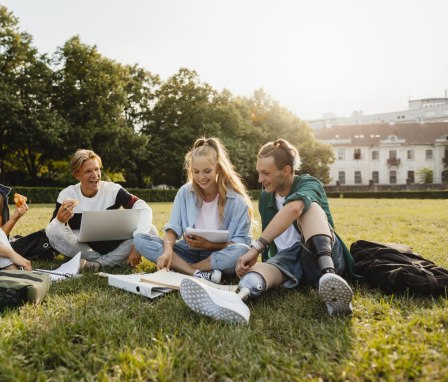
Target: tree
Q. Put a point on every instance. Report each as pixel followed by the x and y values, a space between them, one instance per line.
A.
pixel 425 174
pixel 31 130
pixel 275 121
pixel 141 89
pixel 92 96
pixel 179 117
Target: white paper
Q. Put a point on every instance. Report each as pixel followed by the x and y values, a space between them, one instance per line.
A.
pixel 215 236
pixel 66 270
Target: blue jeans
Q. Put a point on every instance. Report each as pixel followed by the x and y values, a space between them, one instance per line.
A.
pixel 299 265
pixel 151 247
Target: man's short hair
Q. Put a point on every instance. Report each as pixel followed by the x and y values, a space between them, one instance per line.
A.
pixel 283 152
pixel 80 156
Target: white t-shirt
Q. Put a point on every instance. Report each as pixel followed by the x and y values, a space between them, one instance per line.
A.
pixel 208 215
pixel 4 262
pixel 109 196
pixel 290 235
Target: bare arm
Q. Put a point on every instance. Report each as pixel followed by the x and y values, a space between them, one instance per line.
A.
pixel 9 253
pixel 165 260
pixel 17 214
pixel 281 221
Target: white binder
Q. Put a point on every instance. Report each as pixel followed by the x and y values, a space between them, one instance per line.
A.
pixel 132 283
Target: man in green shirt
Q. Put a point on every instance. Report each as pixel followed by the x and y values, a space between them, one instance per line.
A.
pixel 298 243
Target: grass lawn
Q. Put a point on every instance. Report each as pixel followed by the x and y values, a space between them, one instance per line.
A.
pixel 86 330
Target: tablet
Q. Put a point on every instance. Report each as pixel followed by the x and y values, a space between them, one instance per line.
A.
pixel 213 235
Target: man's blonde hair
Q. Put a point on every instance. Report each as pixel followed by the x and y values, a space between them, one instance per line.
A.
pixel 80 156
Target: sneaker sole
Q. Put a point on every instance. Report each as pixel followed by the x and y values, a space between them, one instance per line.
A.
pixel 336 293
pixel 200 298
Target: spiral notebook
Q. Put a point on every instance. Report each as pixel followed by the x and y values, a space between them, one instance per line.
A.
pixel 65 271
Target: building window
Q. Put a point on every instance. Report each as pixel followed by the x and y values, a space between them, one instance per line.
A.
pixel 357 154
pixel 393 154
pixel 375 177
pixel 411 177
pixel 411 154
pixel 341 154
pixel 358 179
pixel 341 177
pixel 428 154
pixel 393 177
pixel 445 176
pixel 375 155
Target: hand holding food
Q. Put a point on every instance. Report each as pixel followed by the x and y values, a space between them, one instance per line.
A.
pixel 66 211
pixel 19 200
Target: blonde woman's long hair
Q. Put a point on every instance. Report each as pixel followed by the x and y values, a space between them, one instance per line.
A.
pixel 227 178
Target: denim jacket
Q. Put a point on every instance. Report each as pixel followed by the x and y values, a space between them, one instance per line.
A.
pixel 235 218
pixel 4 193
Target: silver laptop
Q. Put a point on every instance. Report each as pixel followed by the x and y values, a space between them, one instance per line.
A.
pixel 107 225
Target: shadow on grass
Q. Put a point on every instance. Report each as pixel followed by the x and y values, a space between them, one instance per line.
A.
pixel 86 329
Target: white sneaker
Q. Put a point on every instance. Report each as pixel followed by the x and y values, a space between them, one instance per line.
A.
pixel 213 276
pixel 336 294
pixel 215 303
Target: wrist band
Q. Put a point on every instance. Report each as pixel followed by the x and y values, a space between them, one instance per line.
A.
pixel 263 241
pixel 258 246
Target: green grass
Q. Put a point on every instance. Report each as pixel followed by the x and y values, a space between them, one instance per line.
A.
pixel 85 330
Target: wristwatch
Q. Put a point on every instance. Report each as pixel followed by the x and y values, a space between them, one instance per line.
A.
pixel 257 245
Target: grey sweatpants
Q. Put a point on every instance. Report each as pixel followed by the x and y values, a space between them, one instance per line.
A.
pixel 64 240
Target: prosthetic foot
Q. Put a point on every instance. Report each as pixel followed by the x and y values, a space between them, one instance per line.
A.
pixel 259 279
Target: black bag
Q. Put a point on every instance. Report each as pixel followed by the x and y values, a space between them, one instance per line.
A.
pixel 34 246
pixel 18 287
pixel 394 268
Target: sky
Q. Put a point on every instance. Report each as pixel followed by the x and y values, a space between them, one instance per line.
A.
pixel 313 57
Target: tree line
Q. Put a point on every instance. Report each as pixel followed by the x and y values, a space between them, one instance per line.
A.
pixel 141 126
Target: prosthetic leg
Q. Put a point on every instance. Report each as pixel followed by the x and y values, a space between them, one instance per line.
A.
pixel 226 305
pixel 319 239
pixel 258 280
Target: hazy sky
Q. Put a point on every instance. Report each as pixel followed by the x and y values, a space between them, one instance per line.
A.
pixel 312 56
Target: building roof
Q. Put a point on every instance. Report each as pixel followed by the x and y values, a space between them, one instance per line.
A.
pixel 371 135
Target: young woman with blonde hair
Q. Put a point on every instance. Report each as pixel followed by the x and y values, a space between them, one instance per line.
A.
pixel 214 198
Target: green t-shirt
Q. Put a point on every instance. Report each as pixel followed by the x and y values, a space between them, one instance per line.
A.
pixel 307 189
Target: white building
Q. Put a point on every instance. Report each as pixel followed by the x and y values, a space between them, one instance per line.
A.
pixel 387 153
pixel 420 110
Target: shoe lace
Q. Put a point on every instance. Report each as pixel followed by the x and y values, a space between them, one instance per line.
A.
pixel 204 275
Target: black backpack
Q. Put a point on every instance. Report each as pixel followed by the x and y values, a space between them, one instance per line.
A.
pixel 394 268
pixel 34 246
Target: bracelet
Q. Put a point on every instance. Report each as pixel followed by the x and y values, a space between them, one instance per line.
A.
pixel 168 241
pixel 257 245
pixel 263 241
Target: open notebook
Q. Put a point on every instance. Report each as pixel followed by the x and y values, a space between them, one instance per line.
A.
pixel 152 285
pixel 65 271
pixel 171 279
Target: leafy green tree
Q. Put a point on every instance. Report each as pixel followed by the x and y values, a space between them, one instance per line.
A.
pixel 91 96
pixel 425 174
pixel 179 117
pixel 141 88
pixel 31 130
pixel 275 121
